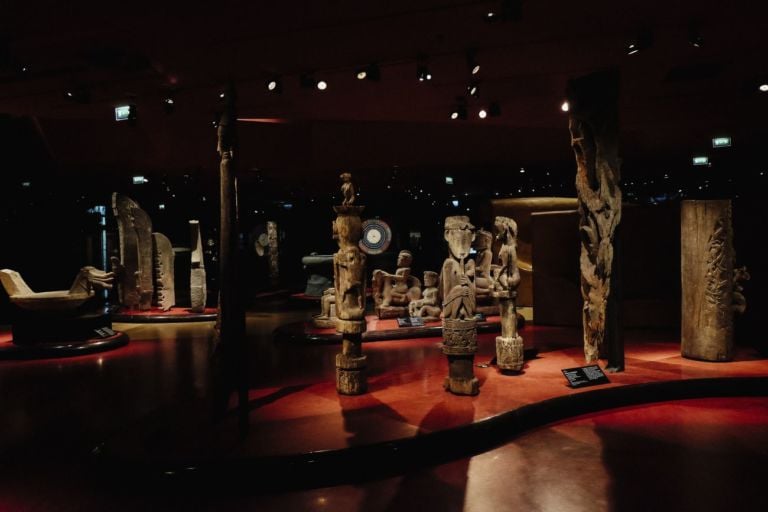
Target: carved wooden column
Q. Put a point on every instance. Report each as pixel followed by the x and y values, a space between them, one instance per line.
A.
pixel 707 269
pixel 459 323
pixel 232 344
pixel 506 278
pixel 349 282
pixel 593 125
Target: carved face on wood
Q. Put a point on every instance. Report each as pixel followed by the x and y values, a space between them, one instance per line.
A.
pixel 459 233
pixel 430 279
pixel 347 230
pixel 483 240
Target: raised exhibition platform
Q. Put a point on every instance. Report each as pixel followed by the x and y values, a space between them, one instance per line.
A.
pixel 157 315
pixel 302 433
pixel 62 348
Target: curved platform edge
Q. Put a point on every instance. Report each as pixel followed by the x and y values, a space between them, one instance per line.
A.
pixel 295 332
pixel 380 460
pixel 10 351
pixel 164 318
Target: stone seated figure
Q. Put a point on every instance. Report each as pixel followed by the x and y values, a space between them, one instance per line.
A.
pixel 83 288
pixel 393 292
pixel 428 306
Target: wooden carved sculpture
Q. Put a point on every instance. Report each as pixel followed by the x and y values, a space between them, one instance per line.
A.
pixel 428 306
pixel 164 267
pixel 393 292
pixel 506 278
pixel 593 125
pixel 459 325
pixel 711 285
pixel 349 283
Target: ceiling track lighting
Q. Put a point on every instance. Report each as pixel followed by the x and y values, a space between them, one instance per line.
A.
pixel 694 35
pixel 643 41
pixel 506 10
pixel 473 89
pixel 459 111
pixel 423 74
pixel 169 104
pixel 274 85
pixel 369 72
pixel 492 110
pixel 472 64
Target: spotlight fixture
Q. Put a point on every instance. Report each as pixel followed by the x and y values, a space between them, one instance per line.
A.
pixel 369 72
pixel 482 114
pixel 763 87
pixel 473 89
pixel 422 73
pixel 275 85
pixel 459 110
pixel 472 64
pixel 506 10
pixel 169 104
pixel 322 85
pixel 78 94
pixel 694 35
pixel 643 41
pixel 565 107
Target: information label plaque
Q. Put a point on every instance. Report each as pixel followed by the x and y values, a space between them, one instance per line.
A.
pixel 585 376
pixel 413 321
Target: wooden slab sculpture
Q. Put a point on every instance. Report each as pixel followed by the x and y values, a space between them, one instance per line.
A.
pixel 428 306
pixel 393 292
pixel 197 280
pixel 163 271
pixel 459 324
pixel 593 124
pixel 274 254
pixel 349 283
pixel 506 278
pixel 482 273
pixel 711 286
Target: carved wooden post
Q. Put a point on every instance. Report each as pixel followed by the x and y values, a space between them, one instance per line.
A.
pixel 707 280
pixel 506 278
pixel 274 255
pixel 459 324
pixel 593 125
pixel 232 346
pixel 349 282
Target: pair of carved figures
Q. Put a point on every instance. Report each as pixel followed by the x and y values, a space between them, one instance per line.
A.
pixel 398 295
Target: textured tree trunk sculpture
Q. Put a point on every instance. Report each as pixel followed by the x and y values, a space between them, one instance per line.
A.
pixel 231 346
pixel 349 282
pixel 710 283
pixel 459 324
pixel 593 125
pixel 506 278
pixel 274 254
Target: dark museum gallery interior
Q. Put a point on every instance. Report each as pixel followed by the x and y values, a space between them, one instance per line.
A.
pixel 455 255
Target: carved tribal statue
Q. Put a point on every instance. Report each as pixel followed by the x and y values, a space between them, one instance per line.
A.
pixel 327 316
pixel 393 292
pixel 459 324
pixel 427 307
pixel 163 271
pixel 136 286
pixel 349 282
pixel 506 278
pixel 347 189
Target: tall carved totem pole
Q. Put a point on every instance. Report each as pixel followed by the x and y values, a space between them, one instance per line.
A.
pixel 593 124
pixel 459 324
pixel 349 281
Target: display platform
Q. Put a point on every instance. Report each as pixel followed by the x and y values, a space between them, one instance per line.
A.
pixel 376 330
pixel 157 315
pixel 302 433
pixel 63 348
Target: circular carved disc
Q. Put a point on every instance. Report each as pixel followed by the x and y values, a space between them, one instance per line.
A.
pixel 376 236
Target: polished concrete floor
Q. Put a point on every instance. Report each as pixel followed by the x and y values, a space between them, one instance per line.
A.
pixel 700 454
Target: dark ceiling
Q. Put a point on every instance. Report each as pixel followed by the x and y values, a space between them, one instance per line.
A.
pixel 674 96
